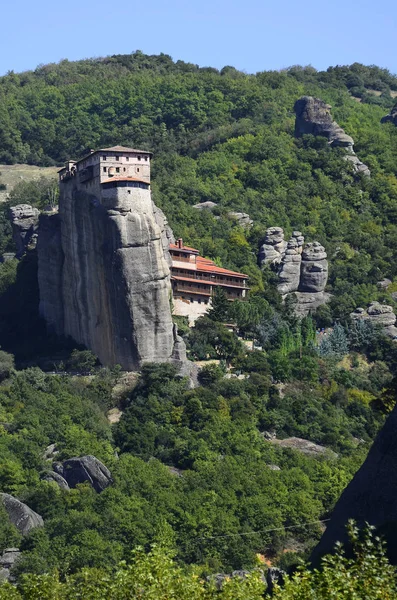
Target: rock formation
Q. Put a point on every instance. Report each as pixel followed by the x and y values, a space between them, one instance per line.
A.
pixel 54 477
pixel 380 315
pixel 243 219
pixel 20 515
pixel 371 495
pixel 25 221
pixel 302 270
pixel 84 469
pixel 104 278
pixel 8 560
pixel 313 116
pixel 290 268
pixel 304 446
pixel 272 246
pixel 392 117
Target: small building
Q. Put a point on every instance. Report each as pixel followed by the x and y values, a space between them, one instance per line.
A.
pixel 194 279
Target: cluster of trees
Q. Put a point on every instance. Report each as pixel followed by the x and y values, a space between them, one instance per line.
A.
pixel 195 467
pixel 367 574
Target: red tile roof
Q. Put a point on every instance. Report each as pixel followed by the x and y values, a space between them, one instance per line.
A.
pixel 123 149
pixel 205 264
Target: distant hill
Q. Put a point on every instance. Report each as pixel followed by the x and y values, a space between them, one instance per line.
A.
pixel 11 175
pixel 228 137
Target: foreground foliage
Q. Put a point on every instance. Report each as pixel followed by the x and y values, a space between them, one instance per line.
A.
pixel 367 575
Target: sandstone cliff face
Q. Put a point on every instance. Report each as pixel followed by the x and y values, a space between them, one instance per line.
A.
pixel 371 495
pixel 103 275
pixel 313 116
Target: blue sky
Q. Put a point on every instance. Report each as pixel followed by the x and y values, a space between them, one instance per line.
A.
pixel 251 36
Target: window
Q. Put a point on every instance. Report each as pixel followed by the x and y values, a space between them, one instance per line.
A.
pixel 139 157
pixel 117 169
pixel 127 158
pixel 104 157
pixel 104 169
pixel 117 157
pixel 145 157
pixel 199 300
pixel 191 300
pixel 124 169
pixel 129 191
pixel 137 170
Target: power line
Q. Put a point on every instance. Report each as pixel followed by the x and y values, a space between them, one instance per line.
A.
pixel 248 533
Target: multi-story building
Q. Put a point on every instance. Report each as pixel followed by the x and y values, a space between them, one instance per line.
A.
pixel 194 279
pixel 107 168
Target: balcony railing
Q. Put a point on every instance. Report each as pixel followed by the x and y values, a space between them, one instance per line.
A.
pixel 211 280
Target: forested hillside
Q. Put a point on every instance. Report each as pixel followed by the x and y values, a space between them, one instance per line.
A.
pixel 198 469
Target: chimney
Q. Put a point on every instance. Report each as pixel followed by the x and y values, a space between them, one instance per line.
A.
pixel 180 243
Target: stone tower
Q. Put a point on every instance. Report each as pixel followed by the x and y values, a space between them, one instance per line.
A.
pixel 103 272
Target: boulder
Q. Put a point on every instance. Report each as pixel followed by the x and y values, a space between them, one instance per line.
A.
pixel 52 476
pixel 8 560
pixel 85 469
pixel 392 117
pixel 358 166
pixel 304 446
pixel 25 223
pixel 314 274
pixel 243 219
pixel 371 495
pixel 20 515
pixel 380 315
pixel 208 205
pixel 274 577
pixel 272 246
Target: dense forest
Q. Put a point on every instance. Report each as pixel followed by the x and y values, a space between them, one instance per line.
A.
pixel 195 469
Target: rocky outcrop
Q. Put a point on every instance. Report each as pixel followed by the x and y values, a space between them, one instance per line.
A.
pixel 272 247
pixel 8 560
pixel 84 469
pixel 243 219
pixel 25 222
pixel 371 495
pixel 313 116
pixel 392 117
pixel 54 477
pixel 20 515
pixel 302 269
pixel 104 275
pixel 290 270
pixel 304 446
pixel 314 272
pixel 380 315
pixel 208 205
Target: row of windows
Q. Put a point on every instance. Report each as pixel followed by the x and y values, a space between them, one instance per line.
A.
pixel 118 169
pixel 127 158
pixel 130 184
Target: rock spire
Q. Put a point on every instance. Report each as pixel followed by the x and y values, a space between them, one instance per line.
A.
pixel 313 116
